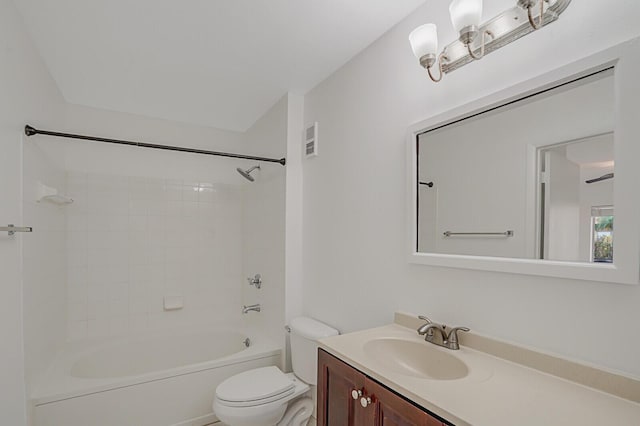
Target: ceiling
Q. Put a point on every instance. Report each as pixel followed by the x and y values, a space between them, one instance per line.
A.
pixel 219 63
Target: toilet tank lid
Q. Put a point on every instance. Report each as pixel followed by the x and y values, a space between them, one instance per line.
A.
pixel 311 329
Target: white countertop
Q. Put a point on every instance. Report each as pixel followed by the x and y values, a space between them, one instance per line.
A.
pixel 495 392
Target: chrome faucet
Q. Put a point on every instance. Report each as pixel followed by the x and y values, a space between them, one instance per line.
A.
pixel 448 340
pixel 427 328
pixel 248 308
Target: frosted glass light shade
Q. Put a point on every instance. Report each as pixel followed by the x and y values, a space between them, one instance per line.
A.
pixel 465 13
pixel 424 40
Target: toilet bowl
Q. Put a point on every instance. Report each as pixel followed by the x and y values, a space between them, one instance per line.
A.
pixel 261 397
pixel 268 397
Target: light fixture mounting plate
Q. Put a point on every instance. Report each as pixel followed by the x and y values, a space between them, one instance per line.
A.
pixel 506 28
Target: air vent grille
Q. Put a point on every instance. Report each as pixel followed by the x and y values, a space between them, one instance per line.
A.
pixel 311 140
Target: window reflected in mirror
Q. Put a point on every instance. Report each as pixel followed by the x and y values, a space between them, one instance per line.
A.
pixel 576 200
pixel 602 234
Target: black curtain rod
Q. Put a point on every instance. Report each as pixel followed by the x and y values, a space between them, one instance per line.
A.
pixel 32 131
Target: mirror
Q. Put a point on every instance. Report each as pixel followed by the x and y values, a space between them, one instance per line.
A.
pixel 532 178
pixel 539 178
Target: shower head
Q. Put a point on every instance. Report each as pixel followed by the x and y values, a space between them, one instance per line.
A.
pixel 247 173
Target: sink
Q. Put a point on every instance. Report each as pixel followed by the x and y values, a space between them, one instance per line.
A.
pixel 416 359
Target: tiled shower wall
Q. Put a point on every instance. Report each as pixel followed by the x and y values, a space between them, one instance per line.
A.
pixel 132 241
pixel 44 265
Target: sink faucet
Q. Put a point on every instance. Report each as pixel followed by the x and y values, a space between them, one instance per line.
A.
pixel 427 329
pixel 449 340
pixel 246 309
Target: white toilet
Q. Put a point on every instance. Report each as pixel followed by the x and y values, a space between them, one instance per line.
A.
pixel 266 396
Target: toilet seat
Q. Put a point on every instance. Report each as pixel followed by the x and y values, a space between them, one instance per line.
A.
pixel 255 402
pixel 255 387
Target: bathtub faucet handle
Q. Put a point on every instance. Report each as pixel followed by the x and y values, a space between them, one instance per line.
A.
pixel 256 281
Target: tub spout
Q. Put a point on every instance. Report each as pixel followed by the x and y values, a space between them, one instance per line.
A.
pixel 248 308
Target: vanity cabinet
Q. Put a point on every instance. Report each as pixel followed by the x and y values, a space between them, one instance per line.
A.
pixel 347 397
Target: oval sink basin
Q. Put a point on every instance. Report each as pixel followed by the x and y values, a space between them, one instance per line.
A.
pixel 416 359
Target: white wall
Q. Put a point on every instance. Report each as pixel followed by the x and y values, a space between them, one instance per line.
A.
pixel 264 224
pixel 355 269
pixel 294 214
pixel 272 220
pixel 563 207
pixel 28 93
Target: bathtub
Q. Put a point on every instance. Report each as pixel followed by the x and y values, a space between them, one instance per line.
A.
pixel 154 380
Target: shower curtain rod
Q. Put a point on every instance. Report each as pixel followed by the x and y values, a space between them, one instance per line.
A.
pixel 32 131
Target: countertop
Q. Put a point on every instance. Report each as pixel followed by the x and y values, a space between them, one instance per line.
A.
pixel 495 392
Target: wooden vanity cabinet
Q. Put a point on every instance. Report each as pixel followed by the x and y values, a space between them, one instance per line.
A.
pixel 336 382
pixel 337 407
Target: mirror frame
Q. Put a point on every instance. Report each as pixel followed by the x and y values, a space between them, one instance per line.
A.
pixel 625 58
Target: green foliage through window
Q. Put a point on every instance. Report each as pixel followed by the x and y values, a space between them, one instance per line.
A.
pixel 603 239
pixel 604 223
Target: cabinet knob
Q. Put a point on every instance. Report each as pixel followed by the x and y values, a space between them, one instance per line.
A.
pixel 356 393
pixel 365 401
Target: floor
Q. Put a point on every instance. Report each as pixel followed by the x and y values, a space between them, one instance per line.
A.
pixel 312 422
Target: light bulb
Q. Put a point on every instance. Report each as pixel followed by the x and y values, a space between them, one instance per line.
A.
pixel 424 40
pixel 465 13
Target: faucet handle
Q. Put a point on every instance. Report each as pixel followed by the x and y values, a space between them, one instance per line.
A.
pixel 256 281
pixel 423 329
pixel 452 337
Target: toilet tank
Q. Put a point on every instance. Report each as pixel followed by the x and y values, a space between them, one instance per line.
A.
pixel 305 333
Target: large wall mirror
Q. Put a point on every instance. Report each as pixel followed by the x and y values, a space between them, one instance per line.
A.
pixel 539 179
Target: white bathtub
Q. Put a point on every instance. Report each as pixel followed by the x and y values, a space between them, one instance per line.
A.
pixel 154 380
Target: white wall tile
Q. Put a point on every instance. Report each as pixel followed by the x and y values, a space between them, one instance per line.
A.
pixel 119 308
pixel 97 291
pixel 97 328
pixel 98 309
pixel 139 304
pixel 77 311
pixel 206 194
pixel 76 292
pixel 76 258
pixel 119 291
pixel 190 192
pixel 77 330
pixel 173 208
pixel 161 238
pixel 77 239
pixel 138 323
pixel 173 192
pixel 119 326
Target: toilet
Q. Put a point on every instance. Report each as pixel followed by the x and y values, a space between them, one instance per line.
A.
pixel 268 397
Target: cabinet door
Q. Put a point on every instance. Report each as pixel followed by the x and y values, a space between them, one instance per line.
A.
pixel 336 406
pixel 393 410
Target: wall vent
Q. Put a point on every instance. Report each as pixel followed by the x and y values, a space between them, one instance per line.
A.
pixel 311 140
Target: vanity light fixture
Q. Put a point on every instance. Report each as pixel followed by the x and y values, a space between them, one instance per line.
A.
pixel 476 39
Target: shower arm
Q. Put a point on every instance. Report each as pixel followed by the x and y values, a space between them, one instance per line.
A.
pixel 600 179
